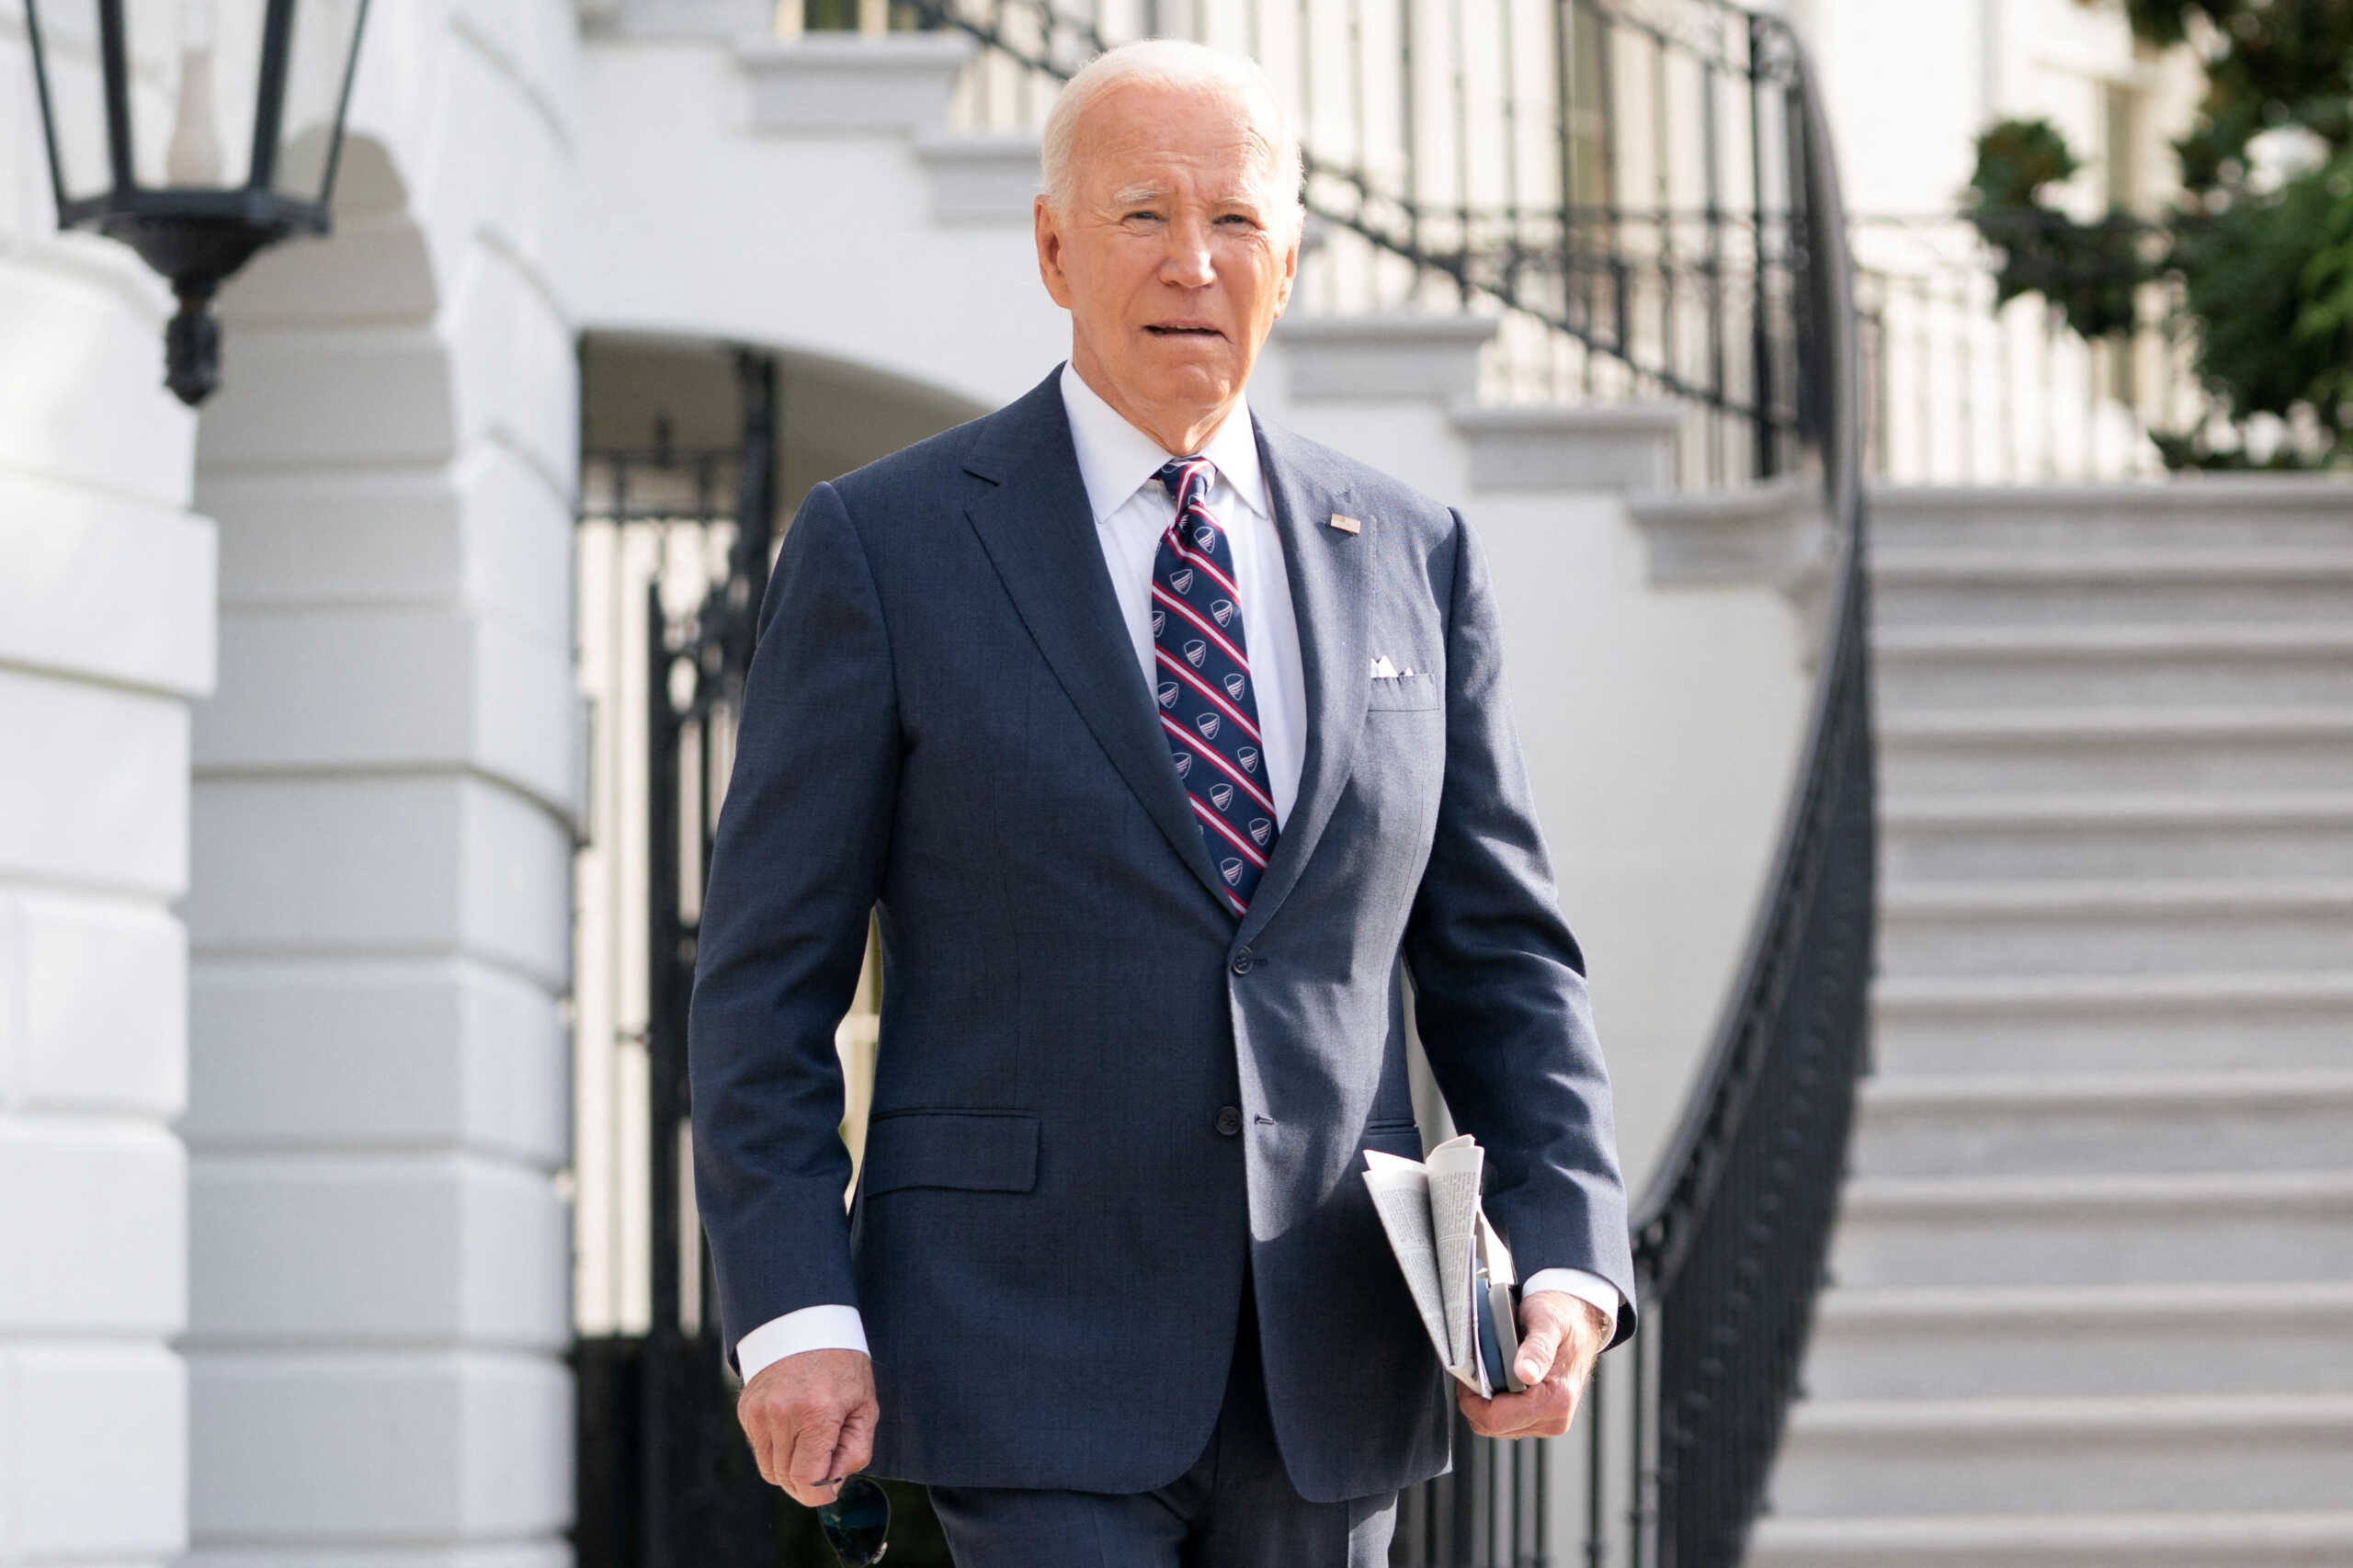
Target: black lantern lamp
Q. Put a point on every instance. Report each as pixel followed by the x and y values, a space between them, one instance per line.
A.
pixel 195 132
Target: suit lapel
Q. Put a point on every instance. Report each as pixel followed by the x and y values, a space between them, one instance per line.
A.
pixel 1328 572
pixel 1039 531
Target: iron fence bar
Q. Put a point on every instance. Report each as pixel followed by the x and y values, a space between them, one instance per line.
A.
pixel 1458 60
pixel 1712 265
pixel 1663 180
pixel 1409 130
pixel 663 1102
pixel 1508 60
pixel 1760 345
pixel 1604 50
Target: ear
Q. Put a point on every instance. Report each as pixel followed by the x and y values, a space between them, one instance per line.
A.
pixel 1050 252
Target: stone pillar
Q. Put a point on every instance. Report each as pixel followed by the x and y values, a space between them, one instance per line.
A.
pixel 385 790
pixel 106 637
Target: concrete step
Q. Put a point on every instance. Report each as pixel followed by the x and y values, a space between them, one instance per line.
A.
pixel 2261 1228
pixel 2057 1124
pixel 2138 927
pixel 1384 357
pixel 2239 512
pixel 980 177
pixel 2162 1454
pixel 2234 663
pixel 2194 1020
pixel 2219 1338
pixel 826 83
pixel 2115 749
pixel 1975 586
pixel 2085 835
pixel 2172 1539
pixel 1627 446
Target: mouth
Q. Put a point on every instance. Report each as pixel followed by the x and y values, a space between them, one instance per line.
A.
pixel 1181 329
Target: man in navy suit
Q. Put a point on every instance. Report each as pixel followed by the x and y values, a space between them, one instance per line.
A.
pixel 1160 739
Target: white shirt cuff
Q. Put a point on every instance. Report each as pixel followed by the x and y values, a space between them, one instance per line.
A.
pixel 811 1328
pixel 1584 1286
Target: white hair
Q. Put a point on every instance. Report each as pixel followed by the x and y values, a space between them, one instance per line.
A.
pixel 1176 63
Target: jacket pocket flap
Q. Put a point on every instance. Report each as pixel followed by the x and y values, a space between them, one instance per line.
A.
pixel 976 1150
pixel 1417 691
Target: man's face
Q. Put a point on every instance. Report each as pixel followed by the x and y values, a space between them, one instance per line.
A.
pixel 1176 256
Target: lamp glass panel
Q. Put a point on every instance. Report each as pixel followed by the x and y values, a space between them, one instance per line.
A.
pixel 195 67
pixel 316 64
pixel 77 96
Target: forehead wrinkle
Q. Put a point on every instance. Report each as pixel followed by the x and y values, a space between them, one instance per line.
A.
pixel 1113 118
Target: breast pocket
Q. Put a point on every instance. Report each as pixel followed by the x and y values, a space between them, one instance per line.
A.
pixel 1417 691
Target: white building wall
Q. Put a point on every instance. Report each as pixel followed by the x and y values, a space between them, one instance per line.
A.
pixel 385 788
pixel 106 637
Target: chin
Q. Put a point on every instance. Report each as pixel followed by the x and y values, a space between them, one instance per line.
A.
pixel 1212 361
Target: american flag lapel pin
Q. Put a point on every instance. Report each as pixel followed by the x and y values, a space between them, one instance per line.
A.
pixel 1344 522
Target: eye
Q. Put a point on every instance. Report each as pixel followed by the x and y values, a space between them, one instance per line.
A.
pixel 1241 220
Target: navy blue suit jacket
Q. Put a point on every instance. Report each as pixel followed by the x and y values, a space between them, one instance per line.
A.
pixel 944 723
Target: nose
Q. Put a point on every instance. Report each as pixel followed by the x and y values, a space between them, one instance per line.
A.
pixel 1186 264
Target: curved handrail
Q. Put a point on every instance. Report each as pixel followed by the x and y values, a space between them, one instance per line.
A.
pixel 1732 1235
pixel 1684 288
pixel 1684 1172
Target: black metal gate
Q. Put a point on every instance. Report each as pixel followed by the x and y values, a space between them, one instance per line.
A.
pixel 675 541
pixel 665 1479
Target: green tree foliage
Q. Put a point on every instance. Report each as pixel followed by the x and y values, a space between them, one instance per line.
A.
pixel 2265 269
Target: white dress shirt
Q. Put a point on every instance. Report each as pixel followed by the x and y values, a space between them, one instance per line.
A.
pixel 1118 463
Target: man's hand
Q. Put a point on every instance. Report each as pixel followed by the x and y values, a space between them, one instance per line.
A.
pixel 810 1420
pixel 1559 1337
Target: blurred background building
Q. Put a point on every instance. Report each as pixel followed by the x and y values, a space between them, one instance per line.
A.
pixel 360 736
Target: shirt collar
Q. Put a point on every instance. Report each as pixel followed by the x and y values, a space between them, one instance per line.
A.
pixel 1116 459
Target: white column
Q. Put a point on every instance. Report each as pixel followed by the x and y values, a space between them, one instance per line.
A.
pixel 385 784
pixel 106 636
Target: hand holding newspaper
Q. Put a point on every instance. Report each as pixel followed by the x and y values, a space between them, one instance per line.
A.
pixel 1457 1268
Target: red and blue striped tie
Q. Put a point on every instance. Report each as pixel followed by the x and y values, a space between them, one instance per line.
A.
pixel 1208 710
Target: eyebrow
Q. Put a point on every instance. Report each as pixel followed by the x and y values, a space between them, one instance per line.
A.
pixel 1141 195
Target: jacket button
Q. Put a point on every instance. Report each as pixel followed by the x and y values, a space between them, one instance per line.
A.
pixel 1229 1121
pixel 1243 961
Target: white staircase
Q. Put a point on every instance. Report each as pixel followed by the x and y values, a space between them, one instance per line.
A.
pixel 2093 1284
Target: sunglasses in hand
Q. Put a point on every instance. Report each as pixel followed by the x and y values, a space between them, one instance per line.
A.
pixel 858 1522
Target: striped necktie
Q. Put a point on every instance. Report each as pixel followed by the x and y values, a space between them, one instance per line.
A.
pixel 1208 710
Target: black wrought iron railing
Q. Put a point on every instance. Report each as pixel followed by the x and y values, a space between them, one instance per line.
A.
pixel 1733 1237
pixel 1647 192
pixel 1611 178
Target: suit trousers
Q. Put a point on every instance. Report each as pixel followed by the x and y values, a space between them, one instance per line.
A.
pixel 1235 1507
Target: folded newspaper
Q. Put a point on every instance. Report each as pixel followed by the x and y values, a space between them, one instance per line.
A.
pixel 1458 1269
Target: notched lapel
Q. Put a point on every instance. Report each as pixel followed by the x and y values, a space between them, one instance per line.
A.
pixel 1328 570
pixel 1039 531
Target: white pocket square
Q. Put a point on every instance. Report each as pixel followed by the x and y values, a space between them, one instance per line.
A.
pixel 1383 670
